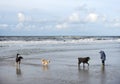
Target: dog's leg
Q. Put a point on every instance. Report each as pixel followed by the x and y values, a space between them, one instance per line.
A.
pixel 79 67
pixel 88 63
pixel 79 63
pixel 83 65
pixel 17 65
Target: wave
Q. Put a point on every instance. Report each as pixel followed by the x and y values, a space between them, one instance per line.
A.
pixel 55 39
pixel 55 42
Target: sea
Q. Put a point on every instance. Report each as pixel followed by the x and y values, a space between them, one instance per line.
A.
pixel 63 53
pixel 59 46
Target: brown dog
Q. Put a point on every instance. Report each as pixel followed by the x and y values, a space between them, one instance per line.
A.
pixel 83 60
pixel 45 62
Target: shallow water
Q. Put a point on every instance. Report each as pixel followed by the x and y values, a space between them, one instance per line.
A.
pixel 63 67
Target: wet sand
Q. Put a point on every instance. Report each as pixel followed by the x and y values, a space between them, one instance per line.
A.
pixel 59 71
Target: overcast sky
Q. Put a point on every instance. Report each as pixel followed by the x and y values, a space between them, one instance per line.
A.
pixel 60 17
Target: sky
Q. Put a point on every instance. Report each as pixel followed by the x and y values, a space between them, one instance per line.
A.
pixel 59 17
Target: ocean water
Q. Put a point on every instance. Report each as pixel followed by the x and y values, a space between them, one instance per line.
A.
pixel 59 46
pixel 62 51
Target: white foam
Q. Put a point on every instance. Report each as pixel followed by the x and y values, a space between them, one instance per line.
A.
pixel 91 40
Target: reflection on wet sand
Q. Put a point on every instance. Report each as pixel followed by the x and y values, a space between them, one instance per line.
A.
pixel 103 69
pixel 45 67
pixel 84 75
pixel 18 71
pixel 103 75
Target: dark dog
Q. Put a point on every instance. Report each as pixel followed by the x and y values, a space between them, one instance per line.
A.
pixel 83 60
pixel 18 59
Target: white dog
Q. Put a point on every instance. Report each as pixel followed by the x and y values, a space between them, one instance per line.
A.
pixel 45 62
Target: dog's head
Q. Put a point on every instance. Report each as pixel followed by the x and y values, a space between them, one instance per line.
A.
pixel 88 58
pixel 45 62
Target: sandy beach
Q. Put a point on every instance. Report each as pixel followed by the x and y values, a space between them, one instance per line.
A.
pixel 63 67
pixel 59 71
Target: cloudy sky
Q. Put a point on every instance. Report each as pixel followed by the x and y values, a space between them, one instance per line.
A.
pixel 60 17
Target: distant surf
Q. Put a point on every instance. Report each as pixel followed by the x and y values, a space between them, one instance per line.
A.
pixel 56 39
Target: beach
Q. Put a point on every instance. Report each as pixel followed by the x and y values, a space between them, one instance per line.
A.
pixel 63 56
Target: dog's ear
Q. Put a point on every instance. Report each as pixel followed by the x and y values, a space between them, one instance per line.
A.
pixel 89 58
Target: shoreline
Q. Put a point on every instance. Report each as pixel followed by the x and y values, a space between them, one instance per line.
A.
pixel 63 67
pixel 60 73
